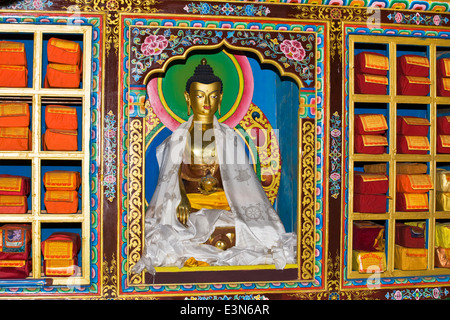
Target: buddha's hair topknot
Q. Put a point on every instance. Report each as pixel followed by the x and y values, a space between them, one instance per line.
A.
pixel 203 73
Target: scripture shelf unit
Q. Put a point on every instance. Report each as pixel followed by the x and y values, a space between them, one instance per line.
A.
pixel 391 105
pixel 36 162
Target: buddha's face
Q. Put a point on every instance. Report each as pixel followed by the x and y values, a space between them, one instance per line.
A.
pixel 204 99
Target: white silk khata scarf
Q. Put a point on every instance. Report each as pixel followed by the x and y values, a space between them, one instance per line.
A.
pixel 260 234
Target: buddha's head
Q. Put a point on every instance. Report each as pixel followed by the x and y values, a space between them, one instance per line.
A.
pixel 203 91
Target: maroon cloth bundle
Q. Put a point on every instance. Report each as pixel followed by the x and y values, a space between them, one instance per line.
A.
pixel 369 203
pixel 14 185
pixel 370 183
pixel 443 143
pixel 15 269
pixel 443 67
pixel 409 236
pixel 443 87
pixel 412 144
pixel 411 202
pixel 370 84
pixel 370 124
pixel 412 126
pixel 443 125
pixel 413 85
pixel 15 242
pixel 367 236
pixel 371 63
pixel 371 144
pixel 413 65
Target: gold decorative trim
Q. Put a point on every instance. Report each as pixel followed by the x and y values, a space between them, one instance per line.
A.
pixel 135 197
pixel 109 289
pixel 307 198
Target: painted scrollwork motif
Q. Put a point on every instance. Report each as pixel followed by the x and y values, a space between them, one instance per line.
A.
pixel 307 230
pixel 135 191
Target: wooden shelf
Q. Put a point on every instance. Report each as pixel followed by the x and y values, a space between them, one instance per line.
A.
pixel 37 97
pixel 433 106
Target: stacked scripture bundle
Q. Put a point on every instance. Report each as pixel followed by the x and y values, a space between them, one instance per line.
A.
pixel 410 251
pixel 60 253
pixel 442 245
pixel 413 75
pixel 412 192
pixel 15 249
pixel 61 194
pixel 443 77
pixel 13 193
pixel 64 64
pixel 368 247
pixel 15 134
pixel 13 64
pixel 371 73
pixel 412 135
pixel 443 134
pixel 61 128
pixel 370 133
pixel 370 192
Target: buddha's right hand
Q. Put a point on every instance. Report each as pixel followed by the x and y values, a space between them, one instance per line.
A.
pixel 183 210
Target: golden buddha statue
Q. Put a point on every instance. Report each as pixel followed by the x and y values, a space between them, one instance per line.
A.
pixel 208 204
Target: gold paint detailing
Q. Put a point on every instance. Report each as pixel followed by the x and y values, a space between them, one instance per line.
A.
pixel 336 16
pixel 136 196
pixel 113 8
pixel 307 205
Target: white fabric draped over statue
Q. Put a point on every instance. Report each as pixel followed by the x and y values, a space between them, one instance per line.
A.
pixel 260 234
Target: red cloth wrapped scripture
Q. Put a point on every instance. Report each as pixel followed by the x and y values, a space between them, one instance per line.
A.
pixel 409 236
pixel 14 185
pixel 371 144
pixel 370 124
pixel 443 87
pixel 443 143
pixel 62 180
pixel 369 203
pixel 60 140
pixel 13 204
pixel 13 53
pixel 15 242
pixel 13 76
pixel 61 117
pixel 413 65
pixel 15 139
pixel 443 68
pixel 64 51
pixel 62 76
pixel 413 86
pixel 412 126
pixel 412 144
pixel 414 183
pixel 443 125
pixel 61 202
pixel 368 236
pixel 371 63
pixel 370 183
pixel 371 84
pixel 15 269
pixel 60 252
pixel 61 245
pixel 411 202
pixel 14 115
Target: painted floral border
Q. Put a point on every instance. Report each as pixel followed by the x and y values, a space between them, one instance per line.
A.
pixel 319 113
